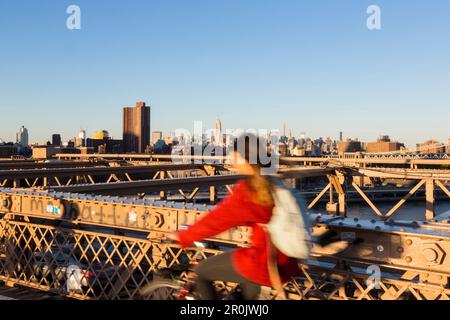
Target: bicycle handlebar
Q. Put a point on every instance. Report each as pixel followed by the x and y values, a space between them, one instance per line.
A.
pixel 197 244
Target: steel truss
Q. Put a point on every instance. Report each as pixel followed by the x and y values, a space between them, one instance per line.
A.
pixel 123 263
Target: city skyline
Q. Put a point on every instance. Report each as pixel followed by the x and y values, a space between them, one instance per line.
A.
pixel 104 134
pixel 257 64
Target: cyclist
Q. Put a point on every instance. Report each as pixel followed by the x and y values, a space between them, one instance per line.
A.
pixel 250 204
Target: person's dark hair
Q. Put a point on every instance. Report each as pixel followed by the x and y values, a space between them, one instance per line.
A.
pixel 254 150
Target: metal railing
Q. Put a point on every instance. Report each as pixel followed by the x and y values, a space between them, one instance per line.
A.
pixel 102 247
pixel 82 264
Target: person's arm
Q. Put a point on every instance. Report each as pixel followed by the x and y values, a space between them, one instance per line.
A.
pixel 231 212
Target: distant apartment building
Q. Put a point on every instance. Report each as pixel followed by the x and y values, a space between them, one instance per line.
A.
pixel 22 137
pixel 44 152
pixel 349 146
pixel 283 149
pixel 328 146
pixel 100 135
pixel 136 128
pixel 384 145
pixel 105 145
pixel 80 142
pixel 8 150
pixel 156 136
pixel 47 152
pixel 298 151
pixel 309 146
pixel 431 147
pixel 316 150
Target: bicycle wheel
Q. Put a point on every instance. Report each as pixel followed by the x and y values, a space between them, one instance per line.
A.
pixel 161 289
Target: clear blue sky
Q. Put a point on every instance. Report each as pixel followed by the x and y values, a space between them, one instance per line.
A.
pixel 254 63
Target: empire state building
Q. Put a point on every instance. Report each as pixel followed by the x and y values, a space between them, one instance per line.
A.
pixel 218 133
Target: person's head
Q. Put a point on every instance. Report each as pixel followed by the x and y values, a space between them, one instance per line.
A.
pixel 249 157
pixel 249 154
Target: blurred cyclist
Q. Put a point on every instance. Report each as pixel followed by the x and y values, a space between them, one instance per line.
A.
pixel 250 204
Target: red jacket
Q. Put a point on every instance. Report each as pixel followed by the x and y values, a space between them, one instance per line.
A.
pixel 238 209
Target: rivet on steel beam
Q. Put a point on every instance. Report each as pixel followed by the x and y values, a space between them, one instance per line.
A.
pixel 430 254
pixel 408 259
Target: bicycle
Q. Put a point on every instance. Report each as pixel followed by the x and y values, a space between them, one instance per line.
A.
pixel 182 288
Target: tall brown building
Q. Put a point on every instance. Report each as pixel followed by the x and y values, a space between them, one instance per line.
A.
pixel 136 128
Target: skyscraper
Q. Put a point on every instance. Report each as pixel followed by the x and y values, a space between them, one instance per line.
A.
pixel 218 136
pixel 22 137
pixel 56 140
pixel 218 126
pixel 82 138
pixel 136 128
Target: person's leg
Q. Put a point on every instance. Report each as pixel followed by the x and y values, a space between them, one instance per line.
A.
pixel 220 268
pixel 211 269
pixel 203 285
pixel 250 290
